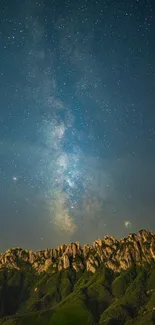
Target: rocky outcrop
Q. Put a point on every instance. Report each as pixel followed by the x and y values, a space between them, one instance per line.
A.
pixel 115 254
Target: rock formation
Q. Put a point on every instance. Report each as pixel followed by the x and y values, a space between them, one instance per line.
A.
pixel 116 254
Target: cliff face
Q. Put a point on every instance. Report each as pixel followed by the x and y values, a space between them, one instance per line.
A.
pixel 116 254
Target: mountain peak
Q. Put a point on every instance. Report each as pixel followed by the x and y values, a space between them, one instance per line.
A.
pixel 116 254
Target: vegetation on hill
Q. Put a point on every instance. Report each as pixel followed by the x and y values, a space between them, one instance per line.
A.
pixel 109 283
pixel 71 298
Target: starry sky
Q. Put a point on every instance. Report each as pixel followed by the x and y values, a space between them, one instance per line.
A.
pixel 77 120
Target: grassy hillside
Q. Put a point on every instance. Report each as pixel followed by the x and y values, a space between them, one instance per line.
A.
pixel 70 298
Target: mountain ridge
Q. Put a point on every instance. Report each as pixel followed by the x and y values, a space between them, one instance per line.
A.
pixel 111 282
pixel 116 254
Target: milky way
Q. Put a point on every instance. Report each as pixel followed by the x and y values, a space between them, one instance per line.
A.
pixel 77 123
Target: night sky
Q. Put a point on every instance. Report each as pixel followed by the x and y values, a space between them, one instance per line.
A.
pixel 77 120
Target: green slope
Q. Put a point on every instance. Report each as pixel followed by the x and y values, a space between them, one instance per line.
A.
pixel 70 298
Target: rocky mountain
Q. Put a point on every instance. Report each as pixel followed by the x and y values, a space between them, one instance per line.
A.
pixel 115 254
pixel 111 282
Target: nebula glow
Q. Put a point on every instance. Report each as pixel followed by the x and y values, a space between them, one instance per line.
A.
pixel 62 176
